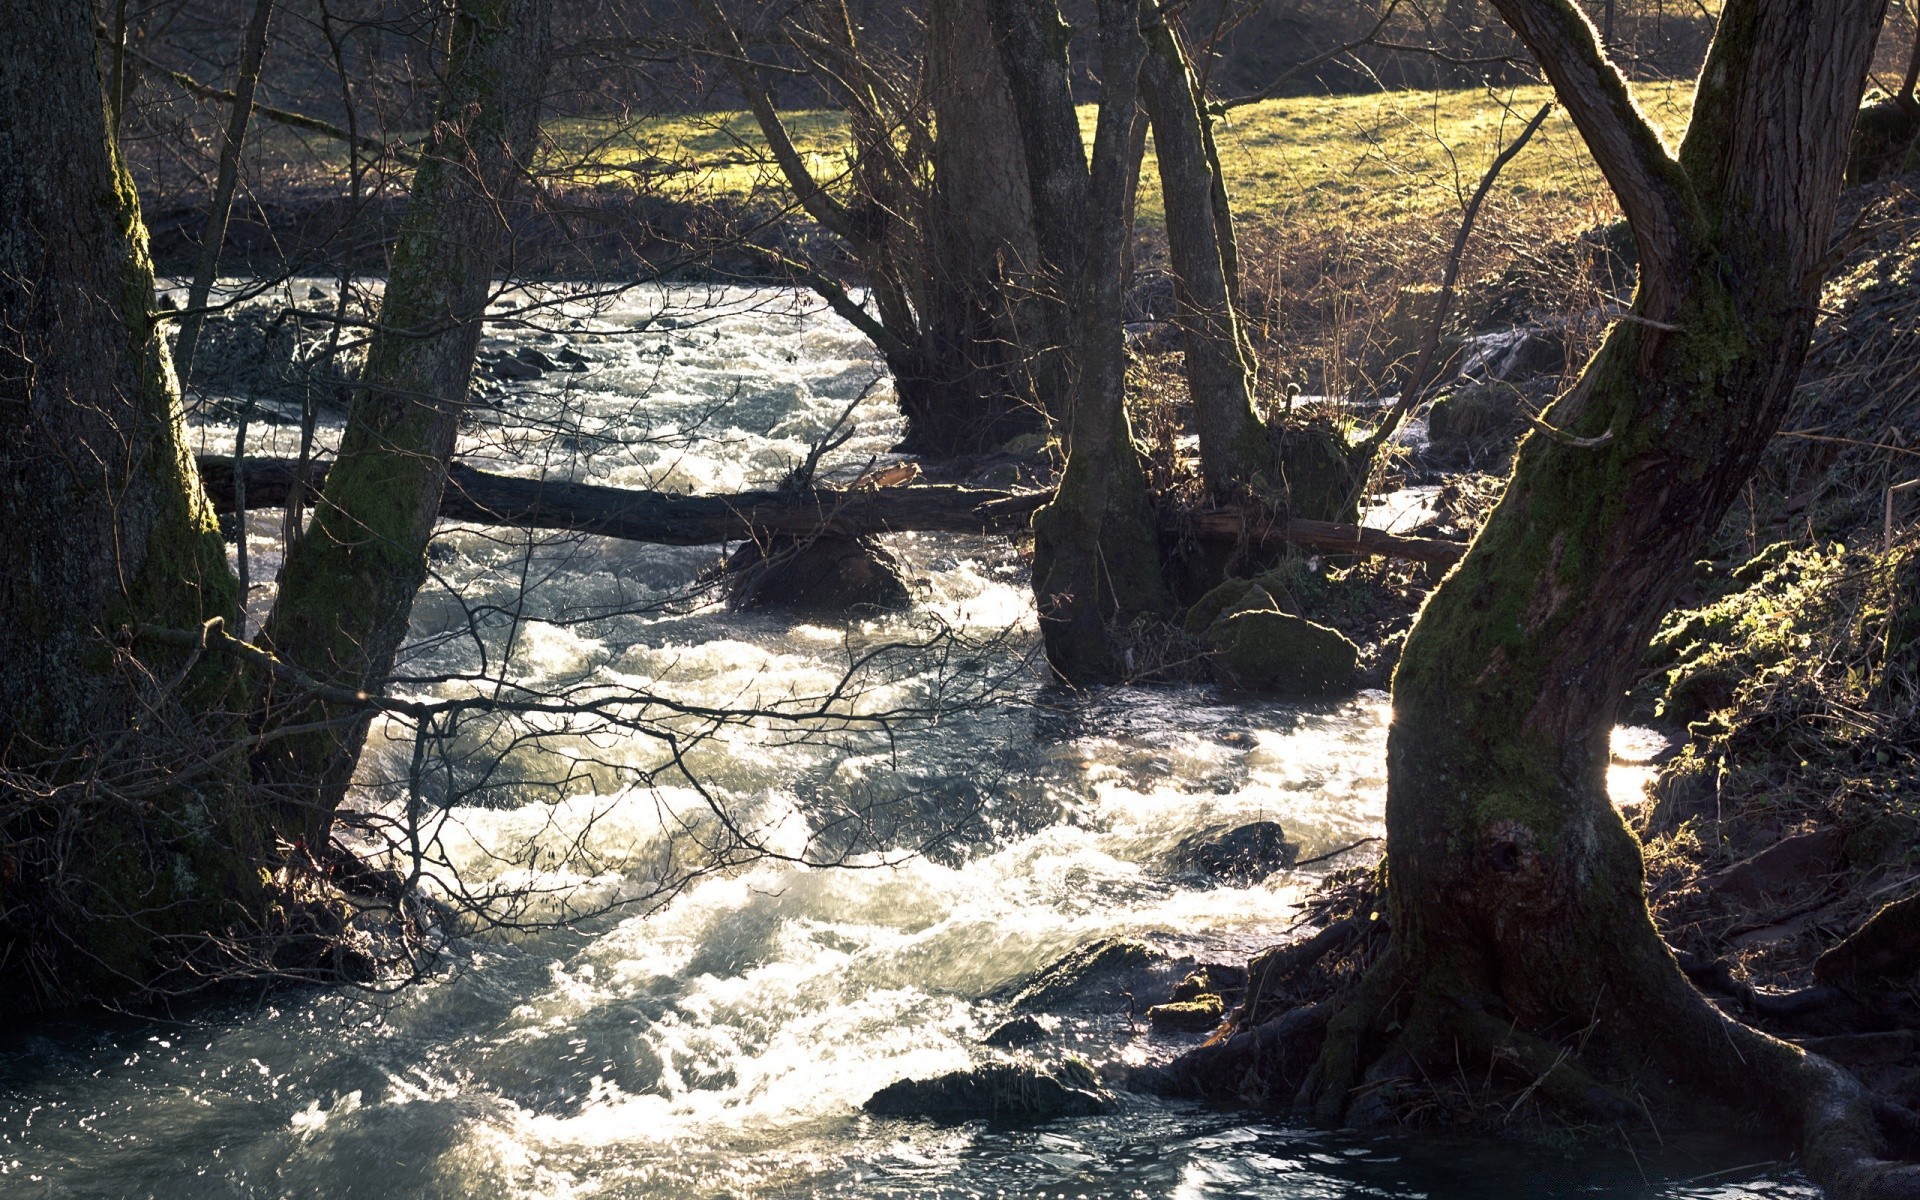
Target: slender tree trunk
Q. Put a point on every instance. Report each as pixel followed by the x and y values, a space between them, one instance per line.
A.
pixel 1096 558
pixel 1033 41
pixel 123 821
pixel 347 587
pixel 253 48
pixel 1233 440
pixel 1521 934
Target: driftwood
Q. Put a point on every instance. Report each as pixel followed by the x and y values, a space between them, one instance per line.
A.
pixel 486 498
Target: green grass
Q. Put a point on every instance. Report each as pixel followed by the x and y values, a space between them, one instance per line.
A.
pixel 1361 160
pixel 1368 158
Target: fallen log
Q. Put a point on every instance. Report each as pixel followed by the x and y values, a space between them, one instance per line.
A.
pixel 487 498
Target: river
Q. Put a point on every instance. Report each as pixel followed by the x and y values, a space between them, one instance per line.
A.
pixel 716 1035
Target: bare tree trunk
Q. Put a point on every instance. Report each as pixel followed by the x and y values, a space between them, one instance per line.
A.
pixel 1032 40
pixel 1096 557
pixel 1233 440
pixel 253 48
pixel 123 818
pixel 979 318
pixel 347 587
pixel 1521 933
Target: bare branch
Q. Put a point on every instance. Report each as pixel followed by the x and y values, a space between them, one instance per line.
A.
pixel 1652 189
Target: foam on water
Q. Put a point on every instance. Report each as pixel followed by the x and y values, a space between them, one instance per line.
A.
pixel 721 1043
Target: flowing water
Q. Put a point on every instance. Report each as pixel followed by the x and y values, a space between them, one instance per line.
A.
pixel 717 1037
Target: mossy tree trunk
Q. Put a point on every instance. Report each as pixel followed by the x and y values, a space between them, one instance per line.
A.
pixel 125 833
pixel 1521 933
pixel 1233 440
pixel 1096 558
pixel 347 588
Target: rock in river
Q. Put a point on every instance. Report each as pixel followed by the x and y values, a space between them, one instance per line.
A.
pixel 1244 855
pixel 1015 1090
pixel 1265 650
pixel 1098 971
pixel 827 573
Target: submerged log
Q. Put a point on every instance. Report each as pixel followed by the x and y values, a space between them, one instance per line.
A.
pixel 664 518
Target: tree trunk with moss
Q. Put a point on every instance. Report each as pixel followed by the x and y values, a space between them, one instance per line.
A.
pixel 1096 558
pixel 125 832
pixel 347 588
pixel 1233 440
pixel 1521 934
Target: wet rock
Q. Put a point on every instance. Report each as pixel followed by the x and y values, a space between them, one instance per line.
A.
pixel 1021 1031
pixel 1074 973
pixel 314 293
pixel 1780 868
pixel 819 574
pixel 1243 855
pixel 1265 650
pixel 575 360
pixel 1234 595
pixel 534 357
pixel 1217 978
pixel 1014 1091
pixel 1198 1015
pixel 511 368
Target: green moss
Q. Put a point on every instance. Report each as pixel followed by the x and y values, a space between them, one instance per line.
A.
pixel 1197 1015
pixel 1263 649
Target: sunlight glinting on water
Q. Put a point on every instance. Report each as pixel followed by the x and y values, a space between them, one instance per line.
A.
pixel 721 1044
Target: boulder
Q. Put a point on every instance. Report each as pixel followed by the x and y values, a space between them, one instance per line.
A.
pixel 1070 975
pixel 1243 855
pixel 1021 1031
pixel 537 358
pixel 1265 650
pixel 1018 1090
pixel 512 369
pixel 826 573
pixel 1234 595
pixel 1198 1015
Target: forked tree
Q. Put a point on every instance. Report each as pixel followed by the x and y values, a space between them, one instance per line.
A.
pixel 347 587
pixel 1521 934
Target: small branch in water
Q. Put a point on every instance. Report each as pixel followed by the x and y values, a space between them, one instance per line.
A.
pixel 1331 854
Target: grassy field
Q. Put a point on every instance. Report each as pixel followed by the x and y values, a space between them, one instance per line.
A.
pixel 1368 158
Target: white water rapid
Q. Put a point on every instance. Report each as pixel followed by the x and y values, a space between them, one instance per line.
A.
pixel 719 1042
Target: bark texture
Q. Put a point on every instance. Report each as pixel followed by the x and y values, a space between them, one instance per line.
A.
pixel 979 318
pixel 123 823
pixel 1233 440
pixel 1096 556
pixel 347 588
pixel 1521 932
pixel 936 214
